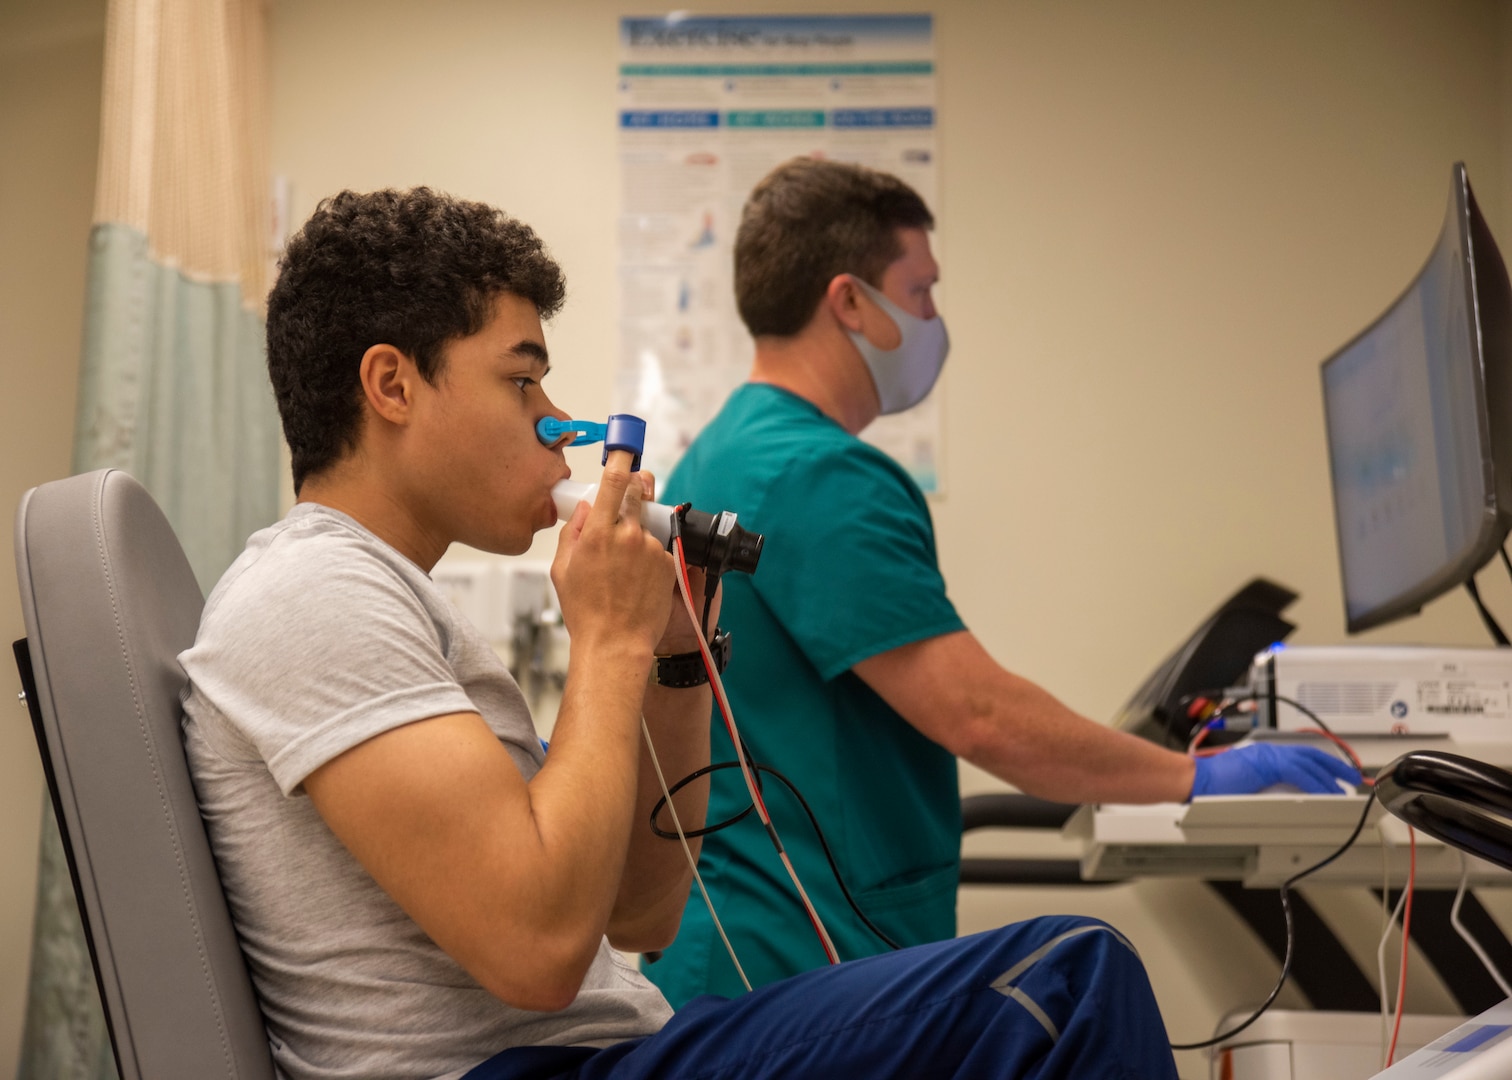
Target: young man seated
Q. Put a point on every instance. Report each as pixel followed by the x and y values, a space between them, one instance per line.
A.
pixel 421 889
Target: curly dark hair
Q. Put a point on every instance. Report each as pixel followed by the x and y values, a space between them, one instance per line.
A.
pixel 807 221
pixel 414 269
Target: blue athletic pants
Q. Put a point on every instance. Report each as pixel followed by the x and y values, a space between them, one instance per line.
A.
pixel 1053 997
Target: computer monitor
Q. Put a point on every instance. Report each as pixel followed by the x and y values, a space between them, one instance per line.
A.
pixel 1419 416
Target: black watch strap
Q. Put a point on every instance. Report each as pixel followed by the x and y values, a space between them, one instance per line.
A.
pixel 686 670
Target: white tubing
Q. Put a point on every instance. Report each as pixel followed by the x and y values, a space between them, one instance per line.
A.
pixel 1460 929
pixel 656 519
pixel 677 824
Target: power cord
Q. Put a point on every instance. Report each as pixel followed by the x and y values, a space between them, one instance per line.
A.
pixel 1305 711
pixel 752 769
pixel 1464 932
pixel 1391 916
pixel 1286 909
pixel 759 768
pixel 728 715
pixel 1211 716
pixel 1497 634
pixel 692 862
pixel 1401 995
pixel 751 778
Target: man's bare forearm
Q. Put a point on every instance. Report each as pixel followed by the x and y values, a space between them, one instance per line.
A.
pixel 955 693
pixel 1035 742
pixel 582 798
pixel 656 877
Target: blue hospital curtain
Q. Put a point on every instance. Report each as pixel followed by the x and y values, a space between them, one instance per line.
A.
pixel 173 387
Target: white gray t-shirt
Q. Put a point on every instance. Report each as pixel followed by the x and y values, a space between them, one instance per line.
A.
pixel 319 637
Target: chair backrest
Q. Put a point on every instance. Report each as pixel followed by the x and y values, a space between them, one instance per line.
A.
pixel 109 602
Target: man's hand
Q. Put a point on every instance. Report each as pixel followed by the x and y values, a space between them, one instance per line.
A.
pixel 617 586
pixel 614 581
pixel 1245 770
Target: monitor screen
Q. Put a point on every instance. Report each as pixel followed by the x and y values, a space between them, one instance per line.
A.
pixel 1418 486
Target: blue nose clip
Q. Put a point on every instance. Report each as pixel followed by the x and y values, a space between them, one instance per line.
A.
pixel 622 432
pixel 550 429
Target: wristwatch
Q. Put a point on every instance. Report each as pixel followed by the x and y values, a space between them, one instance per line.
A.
pixel 687 669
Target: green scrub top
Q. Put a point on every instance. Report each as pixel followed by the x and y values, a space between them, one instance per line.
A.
pixel 848 570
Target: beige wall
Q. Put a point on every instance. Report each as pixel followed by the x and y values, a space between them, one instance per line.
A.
pixel 50 62
pixel 1157 219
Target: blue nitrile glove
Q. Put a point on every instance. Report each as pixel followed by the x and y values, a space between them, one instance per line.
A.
pixel 1245 770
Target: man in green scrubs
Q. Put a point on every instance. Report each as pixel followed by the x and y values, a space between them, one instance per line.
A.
pixel 852 674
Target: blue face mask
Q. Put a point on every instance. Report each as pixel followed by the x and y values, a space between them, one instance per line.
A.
pixel 904 375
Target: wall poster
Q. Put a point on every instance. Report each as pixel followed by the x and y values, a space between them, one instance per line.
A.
pixel 706 107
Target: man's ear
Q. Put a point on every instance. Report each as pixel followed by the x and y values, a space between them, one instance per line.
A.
pixel 859 314
pixel 388 382
pixel 843 299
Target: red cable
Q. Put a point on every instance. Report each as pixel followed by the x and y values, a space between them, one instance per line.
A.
pixel 1396 1027
pixel 719 699
pixel 1353 757
pixel 708 662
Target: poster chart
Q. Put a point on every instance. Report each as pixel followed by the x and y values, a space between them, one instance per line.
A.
pixel 707 106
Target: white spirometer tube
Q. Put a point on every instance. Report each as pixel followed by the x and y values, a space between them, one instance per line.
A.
pixel 656 519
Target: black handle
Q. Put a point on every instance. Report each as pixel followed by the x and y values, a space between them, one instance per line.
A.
pixel 1464 803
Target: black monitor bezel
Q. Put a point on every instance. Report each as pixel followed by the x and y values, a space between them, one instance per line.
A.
pixel 1488 304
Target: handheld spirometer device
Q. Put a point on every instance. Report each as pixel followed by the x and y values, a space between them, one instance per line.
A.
pixel 715 542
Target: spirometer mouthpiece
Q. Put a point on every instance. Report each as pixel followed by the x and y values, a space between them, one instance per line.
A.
pixel 715 542
pixel 656 519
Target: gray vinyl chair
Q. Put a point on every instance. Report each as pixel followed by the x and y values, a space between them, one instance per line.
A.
pixel 109 602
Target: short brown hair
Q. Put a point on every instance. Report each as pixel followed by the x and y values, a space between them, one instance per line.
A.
pixel 807 221
pixel 414 269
